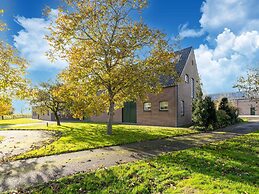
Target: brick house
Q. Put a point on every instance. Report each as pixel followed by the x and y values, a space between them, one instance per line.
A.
pixel 172 107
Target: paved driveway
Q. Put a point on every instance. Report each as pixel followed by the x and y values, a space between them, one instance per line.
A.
pixel 19 141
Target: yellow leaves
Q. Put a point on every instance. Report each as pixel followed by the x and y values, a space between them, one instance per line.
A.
pixel 2 24
pixel 5 106
pixel 12 71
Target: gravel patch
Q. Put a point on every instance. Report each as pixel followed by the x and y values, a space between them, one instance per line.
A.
pixel 16 142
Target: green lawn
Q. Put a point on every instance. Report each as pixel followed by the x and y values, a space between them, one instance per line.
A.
pixel 82 136
pixel 18 121
pixel 231 167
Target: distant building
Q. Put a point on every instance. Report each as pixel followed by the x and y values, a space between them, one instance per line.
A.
pixel 245 106
pixel 49 115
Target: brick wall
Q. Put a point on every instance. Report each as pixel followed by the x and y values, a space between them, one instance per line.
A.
pixel 155 116
pixel 185 89
pixel 104 117
pixel 244 106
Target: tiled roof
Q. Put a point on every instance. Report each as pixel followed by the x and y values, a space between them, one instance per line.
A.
pixel 183 57
pixel 184 54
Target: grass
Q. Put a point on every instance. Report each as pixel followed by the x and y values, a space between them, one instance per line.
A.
pixel 1 138
pixel 82 136
pixel 245 120
pixel 230 166
pixel 18 121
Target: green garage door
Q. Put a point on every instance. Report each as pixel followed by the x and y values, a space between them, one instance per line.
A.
pixel 252 111
pixel 129 112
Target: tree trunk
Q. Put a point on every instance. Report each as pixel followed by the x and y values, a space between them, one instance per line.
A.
pixel 2 117
pixel 57 118
pixel 110 118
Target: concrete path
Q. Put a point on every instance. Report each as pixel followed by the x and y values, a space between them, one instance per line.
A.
pixel 17 141
pixel 27 172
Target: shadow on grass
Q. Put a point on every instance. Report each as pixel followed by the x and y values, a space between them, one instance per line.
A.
pixel 82 184
pixel 235 160
pixel 24 173
pixel 94 135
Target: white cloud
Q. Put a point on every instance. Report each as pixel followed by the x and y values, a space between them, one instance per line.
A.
pixel 221 66
pixel 237 15
pixel 232 34
pixel 216 15
pixel 186 32
pixel 32 44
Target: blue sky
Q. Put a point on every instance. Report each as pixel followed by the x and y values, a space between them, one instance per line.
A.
pixel 224 34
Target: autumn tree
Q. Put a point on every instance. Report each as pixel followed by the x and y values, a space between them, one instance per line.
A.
pixel 112 57
pixel 47 97
pixel 6 107
pixel 12 70
pixel 80 102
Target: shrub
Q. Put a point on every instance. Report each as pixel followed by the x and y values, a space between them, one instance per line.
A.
pixel 204 113
pixel 224 105
pixel 211 111
pixel 230 110
pixel 223 119
pixel 233 114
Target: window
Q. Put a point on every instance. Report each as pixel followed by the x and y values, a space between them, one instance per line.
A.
pixel 147 106
pixel 192 88
pixel 192 62
pixel 182 108
pixel 186 78
pixel 163 106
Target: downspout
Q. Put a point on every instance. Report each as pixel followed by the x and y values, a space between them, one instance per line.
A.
pixel 176 105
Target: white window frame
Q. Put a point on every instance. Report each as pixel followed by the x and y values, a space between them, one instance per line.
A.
pixel 163 107
pixel 147 108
